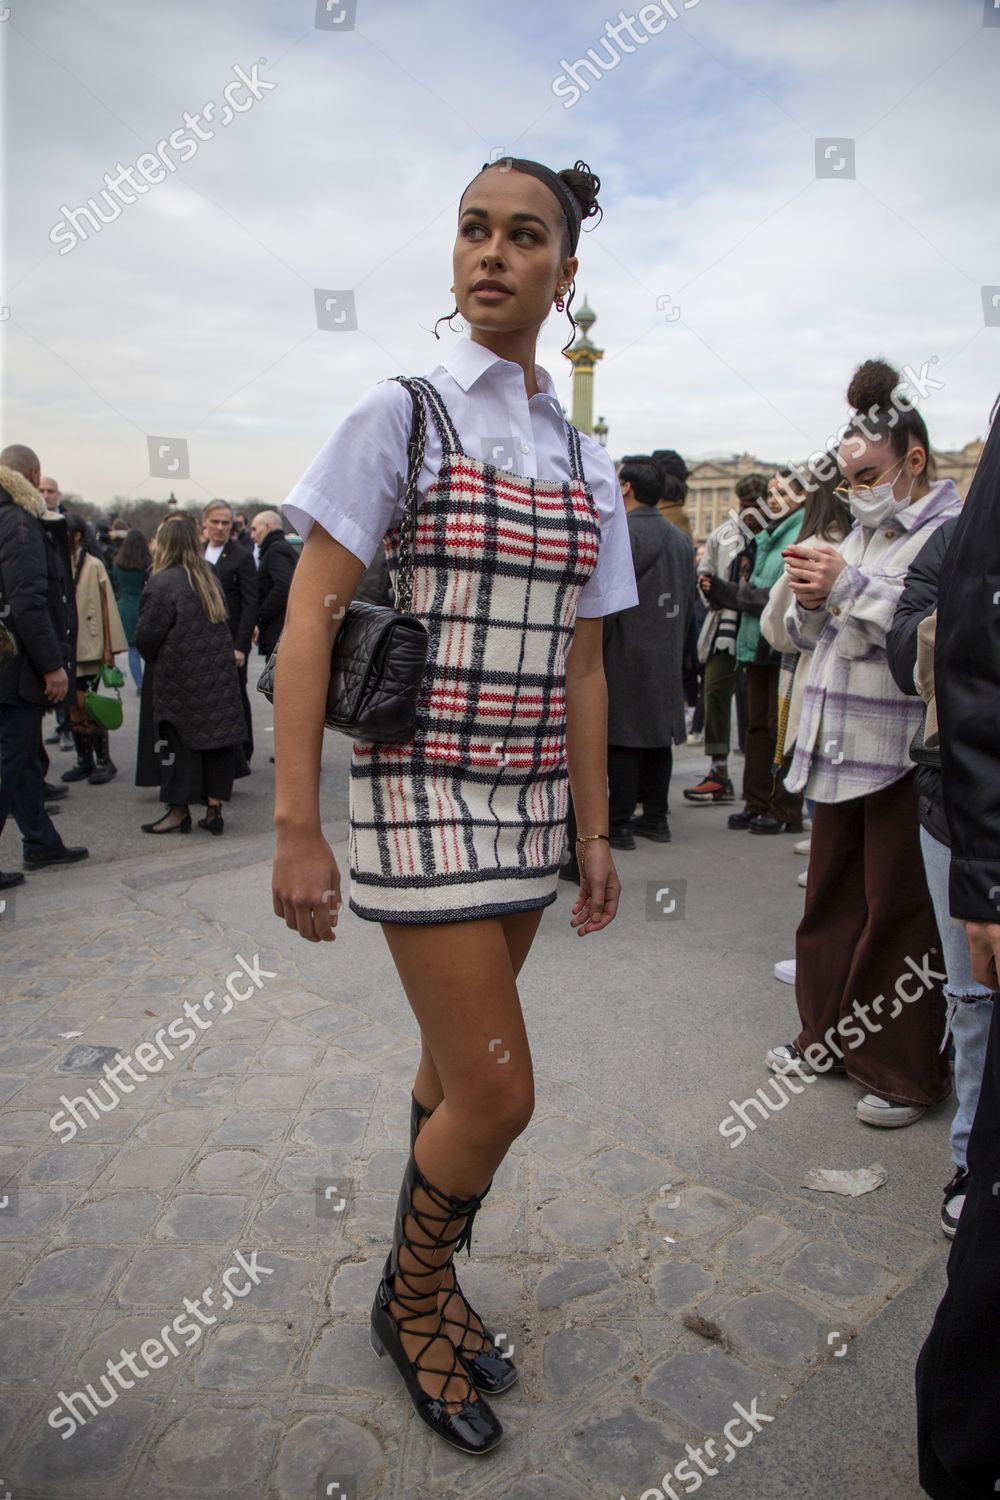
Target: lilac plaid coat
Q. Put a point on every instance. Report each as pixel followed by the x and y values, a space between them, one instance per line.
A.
pixel 856 726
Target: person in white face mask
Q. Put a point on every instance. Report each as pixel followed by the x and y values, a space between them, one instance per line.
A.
pixel 868 971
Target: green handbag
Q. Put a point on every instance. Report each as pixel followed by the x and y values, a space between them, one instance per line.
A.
pixel 106 712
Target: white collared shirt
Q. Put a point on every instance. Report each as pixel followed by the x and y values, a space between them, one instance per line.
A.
pixel 354 486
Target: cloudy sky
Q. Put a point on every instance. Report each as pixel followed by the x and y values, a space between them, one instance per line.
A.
pixel 193 315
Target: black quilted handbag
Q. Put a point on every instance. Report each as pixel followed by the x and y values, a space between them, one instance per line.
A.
pixel 379 654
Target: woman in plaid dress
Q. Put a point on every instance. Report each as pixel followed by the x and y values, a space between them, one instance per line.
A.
pixel 521 548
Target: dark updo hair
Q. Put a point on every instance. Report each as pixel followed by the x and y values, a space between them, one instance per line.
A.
pixel 887 418
pixel 644 476
pixel 585 186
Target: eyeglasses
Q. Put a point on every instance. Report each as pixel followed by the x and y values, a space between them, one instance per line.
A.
pixel 845 490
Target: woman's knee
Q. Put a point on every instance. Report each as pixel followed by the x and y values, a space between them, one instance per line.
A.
pixel 496 1114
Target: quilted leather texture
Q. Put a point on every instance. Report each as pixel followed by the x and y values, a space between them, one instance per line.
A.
pixel 375 674
pixel 195 683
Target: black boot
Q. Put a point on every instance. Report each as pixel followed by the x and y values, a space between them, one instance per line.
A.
pixel 434 1224
pixel 105 767
pixel 489 1369
pixel 84 758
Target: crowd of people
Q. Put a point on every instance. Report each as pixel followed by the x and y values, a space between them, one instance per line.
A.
pixel 183 608
pixel 807 617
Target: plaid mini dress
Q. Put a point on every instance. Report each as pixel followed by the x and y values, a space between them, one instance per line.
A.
pixel 467 818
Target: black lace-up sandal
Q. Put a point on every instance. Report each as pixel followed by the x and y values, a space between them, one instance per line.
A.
pixel 438 1383
pixel 490 1369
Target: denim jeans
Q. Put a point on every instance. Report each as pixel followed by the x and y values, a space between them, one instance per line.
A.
pixel 970 1005
pixel 135 665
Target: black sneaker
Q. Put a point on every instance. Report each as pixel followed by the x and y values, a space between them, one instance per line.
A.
pixel 59 854
pixel 954 1201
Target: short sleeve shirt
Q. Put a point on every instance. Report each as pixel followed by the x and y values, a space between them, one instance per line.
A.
pixel 354 486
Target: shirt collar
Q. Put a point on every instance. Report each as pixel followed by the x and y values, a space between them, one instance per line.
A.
pixel 466 362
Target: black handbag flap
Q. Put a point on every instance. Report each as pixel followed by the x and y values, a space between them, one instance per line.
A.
pixel 363 641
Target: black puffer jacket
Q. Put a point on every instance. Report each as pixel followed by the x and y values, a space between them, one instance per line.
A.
pixel 34 597
pixel 967 682
pixel 918 600
pixel 195 683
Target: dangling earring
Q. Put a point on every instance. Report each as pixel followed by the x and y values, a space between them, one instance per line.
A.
pixel 560 304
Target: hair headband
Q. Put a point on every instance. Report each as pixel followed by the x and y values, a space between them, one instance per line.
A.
pixel 572 212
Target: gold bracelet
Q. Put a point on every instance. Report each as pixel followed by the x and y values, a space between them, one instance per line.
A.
pixel 589 837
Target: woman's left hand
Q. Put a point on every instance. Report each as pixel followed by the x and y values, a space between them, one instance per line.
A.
pixel 814 570
pixel 600 888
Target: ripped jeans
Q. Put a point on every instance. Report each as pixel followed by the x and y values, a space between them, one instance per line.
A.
pixel 970 1005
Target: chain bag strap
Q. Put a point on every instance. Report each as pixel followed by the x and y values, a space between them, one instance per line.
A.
pixel 379 654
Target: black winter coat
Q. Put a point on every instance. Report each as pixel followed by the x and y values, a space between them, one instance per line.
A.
pixel 36 601
pixel 195 682
pixel 967 683
pixel 918 600
pixel 237 575
pixel 275 567
pixel 644 646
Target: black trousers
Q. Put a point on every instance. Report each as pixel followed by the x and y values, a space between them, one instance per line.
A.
pixel 21 776
pixel 248 742
pixel 635 775
pixel 958 1372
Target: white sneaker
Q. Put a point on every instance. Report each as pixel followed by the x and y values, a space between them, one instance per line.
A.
pixel 786 1058
pixel 873 1110
pixel 803 846
pixel 784 970
pixel 803 879
pixel 695 739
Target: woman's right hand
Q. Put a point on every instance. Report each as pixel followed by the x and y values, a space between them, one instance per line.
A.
pixel 305 886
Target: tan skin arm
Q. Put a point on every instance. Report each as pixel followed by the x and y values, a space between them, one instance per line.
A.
pixel 587 760
pixel 305 884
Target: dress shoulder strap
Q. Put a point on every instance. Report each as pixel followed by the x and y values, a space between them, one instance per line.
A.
pixel 447 431
pixel 575 456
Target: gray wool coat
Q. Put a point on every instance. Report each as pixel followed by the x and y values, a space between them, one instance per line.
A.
pixel 195 683
pixel 644 646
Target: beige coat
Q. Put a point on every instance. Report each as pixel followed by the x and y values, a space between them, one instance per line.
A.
pixel 94 580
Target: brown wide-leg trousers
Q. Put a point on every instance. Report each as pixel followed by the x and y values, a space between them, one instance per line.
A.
pixel 868 935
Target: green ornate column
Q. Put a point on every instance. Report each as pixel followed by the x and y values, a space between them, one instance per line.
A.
pixel 583 357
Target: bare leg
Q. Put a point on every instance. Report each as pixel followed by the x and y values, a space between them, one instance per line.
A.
pixel 460 982
pixel 519 931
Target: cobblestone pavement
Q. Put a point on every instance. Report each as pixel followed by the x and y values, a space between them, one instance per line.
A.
pixel 278 1131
